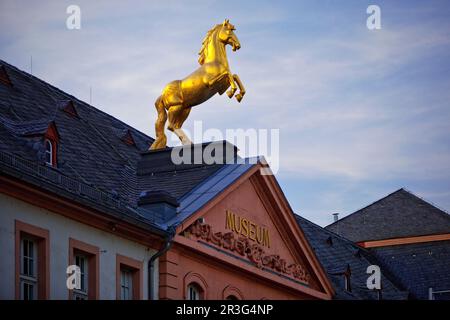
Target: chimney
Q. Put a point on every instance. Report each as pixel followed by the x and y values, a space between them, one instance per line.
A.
pixel 158 204
pixel 335 216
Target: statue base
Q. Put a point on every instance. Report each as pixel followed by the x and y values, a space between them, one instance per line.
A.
pixel 187 156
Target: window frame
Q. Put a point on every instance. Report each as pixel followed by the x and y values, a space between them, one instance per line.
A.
pixel 50 152
pixel 41 260
pixel 92 253
pixel 135 268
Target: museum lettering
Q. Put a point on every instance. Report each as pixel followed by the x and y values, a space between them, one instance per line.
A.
pixel 247 228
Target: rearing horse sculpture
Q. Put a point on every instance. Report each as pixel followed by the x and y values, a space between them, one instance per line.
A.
pixel 213 76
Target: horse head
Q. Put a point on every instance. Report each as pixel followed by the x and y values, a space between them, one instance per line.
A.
pixel 227 36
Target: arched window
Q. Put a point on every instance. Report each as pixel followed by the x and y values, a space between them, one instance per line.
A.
pixel 49 153
pixel 194 292
pixel 232 293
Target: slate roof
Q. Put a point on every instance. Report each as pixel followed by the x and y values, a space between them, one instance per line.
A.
pixel 89 147
pixel 98 155
pixel 417 267
pixel 336 254
pixel 400 214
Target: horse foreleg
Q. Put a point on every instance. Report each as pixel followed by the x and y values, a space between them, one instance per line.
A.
pixel 161 139
pixel 177 116
pixel 241 93
pixel 230 93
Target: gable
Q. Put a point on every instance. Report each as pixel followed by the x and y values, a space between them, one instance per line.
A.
pixel 52 132
pixel 249 225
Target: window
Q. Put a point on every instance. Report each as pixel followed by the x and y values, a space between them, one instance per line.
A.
pixel 195 287
pixel 48 152
pixel 85 256
pixel 28 270
pixel 32 262
pixel 194 292
pixel 128 278
pixel 51 140
pixel 126 285
pixel 230 292
pixel 82 262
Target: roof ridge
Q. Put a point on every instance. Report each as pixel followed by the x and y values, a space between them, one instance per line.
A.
pixel 428 202
pixel 71 97
pixel 367 206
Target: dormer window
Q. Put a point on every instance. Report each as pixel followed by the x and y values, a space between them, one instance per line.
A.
pixel 344 272
pixel 49 152
pixel 51 140
pixel 4 78
pixel 69 107
pixel 127 137
pixel 347 283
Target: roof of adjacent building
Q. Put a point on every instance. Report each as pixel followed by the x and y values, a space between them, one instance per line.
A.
pixel 400 214
pixel 98 155
pixel 337 254
pixel 419 267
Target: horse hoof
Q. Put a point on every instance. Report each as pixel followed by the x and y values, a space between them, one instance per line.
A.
pixel 159 143
pixel 239 97
pixel 230 94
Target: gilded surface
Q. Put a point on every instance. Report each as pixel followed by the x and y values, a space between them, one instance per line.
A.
pixel 213 76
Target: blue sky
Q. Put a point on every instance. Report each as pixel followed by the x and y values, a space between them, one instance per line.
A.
pixel 361 112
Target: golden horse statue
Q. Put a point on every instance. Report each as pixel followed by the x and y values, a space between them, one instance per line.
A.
pixel 213 76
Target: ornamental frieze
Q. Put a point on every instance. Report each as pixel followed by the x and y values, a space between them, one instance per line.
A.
pixel 246 248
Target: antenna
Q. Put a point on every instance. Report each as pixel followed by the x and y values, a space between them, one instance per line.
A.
pixel 90 95
pixel 31 65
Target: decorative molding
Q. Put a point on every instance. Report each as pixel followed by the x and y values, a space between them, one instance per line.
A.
pixel 253 251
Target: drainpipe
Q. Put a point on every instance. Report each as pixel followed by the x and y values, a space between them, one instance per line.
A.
pixel 151 263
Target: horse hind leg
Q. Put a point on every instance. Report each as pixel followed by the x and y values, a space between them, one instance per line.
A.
pixel 177 115
pixel 161 139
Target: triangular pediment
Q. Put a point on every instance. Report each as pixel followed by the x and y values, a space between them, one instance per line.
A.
pixel 252 222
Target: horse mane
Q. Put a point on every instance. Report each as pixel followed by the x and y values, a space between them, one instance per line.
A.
pixel 204 49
